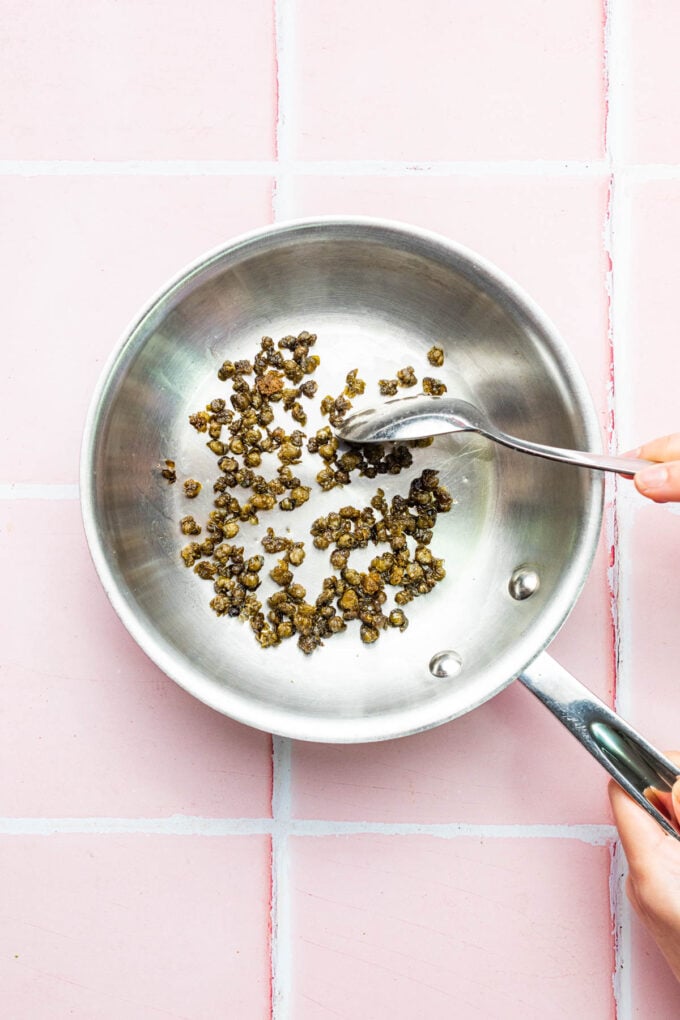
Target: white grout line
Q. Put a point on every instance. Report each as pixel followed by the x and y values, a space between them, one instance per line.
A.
pixel 626 511
pixel 639 172
pixel 616 69
pixel 620 251
pixel 281 965
pixel 136 168
pixel 447 168
pixel 646 172
pixel 281 826
pixel 617 240
pixel 285 78
pixel 285 160
pixel 593 835
pixel 282 209
pixel 174 825
pixel 29 490
pixel 621 925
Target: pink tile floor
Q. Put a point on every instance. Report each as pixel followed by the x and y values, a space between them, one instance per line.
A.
pixel 157 859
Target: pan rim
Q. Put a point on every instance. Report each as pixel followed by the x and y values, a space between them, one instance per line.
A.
pixel 261 715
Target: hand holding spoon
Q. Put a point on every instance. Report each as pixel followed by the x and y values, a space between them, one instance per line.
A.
pixel 420 416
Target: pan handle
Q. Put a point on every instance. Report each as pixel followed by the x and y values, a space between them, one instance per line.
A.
pixel 642 771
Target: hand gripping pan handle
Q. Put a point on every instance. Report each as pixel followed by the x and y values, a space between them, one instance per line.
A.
pixel 642 771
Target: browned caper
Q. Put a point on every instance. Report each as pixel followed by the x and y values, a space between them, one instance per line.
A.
pixel 369 634
pixel 407 376
pixel 190 553
pixel 339 559
pixel 189 526
pixel 397 618
pixel 250 580
pixel 296 591
pixel 433 387
pixel 206 570
pixel 168 472
pixel 281 573
pixel 192 488
pixel 354 386
pixel 200 421
pixel 349 600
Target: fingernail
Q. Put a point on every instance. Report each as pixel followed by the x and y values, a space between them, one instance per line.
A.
pixel 653 477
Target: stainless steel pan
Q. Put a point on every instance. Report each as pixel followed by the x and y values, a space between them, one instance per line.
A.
pixel 518 543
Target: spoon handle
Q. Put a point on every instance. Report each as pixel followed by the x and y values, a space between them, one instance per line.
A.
pixel 621 465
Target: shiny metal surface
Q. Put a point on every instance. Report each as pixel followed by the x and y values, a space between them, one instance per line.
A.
pixel 378 295
pixel 421 415
pixel 645 774
pixel 524 583
pixel 446 664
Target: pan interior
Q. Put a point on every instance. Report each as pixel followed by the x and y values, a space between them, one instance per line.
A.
pixel 378 299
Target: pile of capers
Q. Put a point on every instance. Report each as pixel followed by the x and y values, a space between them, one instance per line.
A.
pixel 239 435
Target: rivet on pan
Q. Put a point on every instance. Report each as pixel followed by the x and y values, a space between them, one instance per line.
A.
pixel 446 664
pixel 524 583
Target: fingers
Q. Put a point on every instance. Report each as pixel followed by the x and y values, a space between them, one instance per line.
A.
pixel 653 881
pixel 640 835
pixel 663 449
pixel 676 801
pixel 661 481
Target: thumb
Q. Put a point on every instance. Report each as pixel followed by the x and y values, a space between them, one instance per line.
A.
pixel 675 796
pixel 660 482
pixel 674 799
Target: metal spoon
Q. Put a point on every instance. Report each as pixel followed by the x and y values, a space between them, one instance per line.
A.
pixel 420 416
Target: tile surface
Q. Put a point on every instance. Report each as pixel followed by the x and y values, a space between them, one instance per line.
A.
pixel 105 80
pixel 134 926
pixel 653 352
pixel 653 562
pixel 655 992
pixel 427 927
pixel 91 726
pixel 487 81
pixel 160 859
pixel 652 130
pixel 99 248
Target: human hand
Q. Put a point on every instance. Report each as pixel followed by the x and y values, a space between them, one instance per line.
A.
pixel 653 884
pixel 661 481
